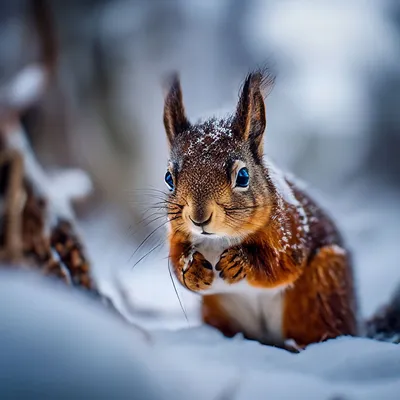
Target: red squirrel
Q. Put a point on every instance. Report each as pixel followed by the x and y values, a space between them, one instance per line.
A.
pixel 267 260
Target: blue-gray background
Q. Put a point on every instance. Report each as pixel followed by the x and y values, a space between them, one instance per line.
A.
pixel 333 116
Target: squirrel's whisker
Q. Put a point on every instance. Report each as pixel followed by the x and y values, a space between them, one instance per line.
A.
pixel 150 235
pixel 148 189
pixel 176 292
pixel 142 223
pixel 148 253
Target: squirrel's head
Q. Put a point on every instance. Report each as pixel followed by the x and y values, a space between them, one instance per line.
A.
pixel 217 181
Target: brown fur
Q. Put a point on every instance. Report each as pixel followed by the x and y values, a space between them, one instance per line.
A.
pixel 272 241
pixel 213 314
pixel 321 305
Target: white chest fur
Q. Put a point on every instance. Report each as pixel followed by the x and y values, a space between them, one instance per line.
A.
pixel 256 312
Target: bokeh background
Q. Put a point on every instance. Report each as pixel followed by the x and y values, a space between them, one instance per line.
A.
pixel 333 118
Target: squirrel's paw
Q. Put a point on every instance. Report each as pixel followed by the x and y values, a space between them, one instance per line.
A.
pixel 232 266
pixel 199 273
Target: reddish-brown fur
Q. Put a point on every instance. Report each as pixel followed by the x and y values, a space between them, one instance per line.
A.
pixel 213 314
pixel 320 305
pixel 273 241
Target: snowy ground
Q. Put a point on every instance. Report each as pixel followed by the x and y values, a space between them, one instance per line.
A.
pixel 58 344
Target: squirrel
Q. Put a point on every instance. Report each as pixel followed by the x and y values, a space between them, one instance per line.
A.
pixel 267 260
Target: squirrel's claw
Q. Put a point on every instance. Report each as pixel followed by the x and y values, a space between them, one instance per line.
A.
pixel 199 275
pixel 232 267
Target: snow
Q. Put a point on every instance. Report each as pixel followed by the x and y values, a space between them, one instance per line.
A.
pixel 61 187
pixel 278 178
pixel 85 350
pixel 209 133
pixel 26 87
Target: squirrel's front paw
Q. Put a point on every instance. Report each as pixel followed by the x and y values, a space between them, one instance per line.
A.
pixel 198 274
pixel 233 265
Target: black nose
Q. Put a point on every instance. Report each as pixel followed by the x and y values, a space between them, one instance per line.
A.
pixel 203 223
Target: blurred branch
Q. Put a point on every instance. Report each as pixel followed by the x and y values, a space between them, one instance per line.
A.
pixel 37 229
pixel 37 222
pixel 43 21
pixel 11 167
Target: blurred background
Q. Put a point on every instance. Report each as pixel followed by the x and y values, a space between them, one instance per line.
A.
pixel 333 118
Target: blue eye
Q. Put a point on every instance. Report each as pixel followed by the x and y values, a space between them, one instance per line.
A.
pixel 242 178
pixel 169 181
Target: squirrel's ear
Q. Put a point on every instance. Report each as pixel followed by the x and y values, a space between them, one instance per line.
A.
pixel 175 120
pixel 250 122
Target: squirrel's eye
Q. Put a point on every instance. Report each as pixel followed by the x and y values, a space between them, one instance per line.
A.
pixel 169 181
pixel 243 178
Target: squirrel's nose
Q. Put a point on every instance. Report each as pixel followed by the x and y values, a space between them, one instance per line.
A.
pixel 202 223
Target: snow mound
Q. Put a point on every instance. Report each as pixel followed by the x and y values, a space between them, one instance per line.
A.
pixel 58 343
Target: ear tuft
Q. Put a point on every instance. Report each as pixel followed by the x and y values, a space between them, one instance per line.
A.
pixel 249 122
pixel 175 120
